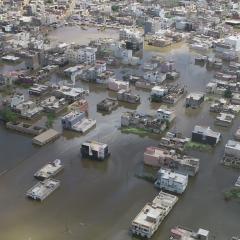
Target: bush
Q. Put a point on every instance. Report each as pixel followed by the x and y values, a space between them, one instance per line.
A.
pixel 50 119
pixel 228 93
pixel 8 115
pixel 115 8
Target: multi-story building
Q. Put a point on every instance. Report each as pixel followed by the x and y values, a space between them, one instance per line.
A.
pixel 86 55
pixel 232 154
pixel 17 99
pixel 194 100
pixel 146 223
pixel 159 157
pixel 171 181
pixel 205 135
pixel 95 150
pixel 166 115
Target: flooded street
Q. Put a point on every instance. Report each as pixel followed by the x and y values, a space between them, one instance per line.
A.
pixel 98 200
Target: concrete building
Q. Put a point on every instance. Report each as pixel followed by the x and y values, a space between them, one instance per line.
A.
pixel 181 233
pixel 77 121
pixel 152 26
pixel 158 92
pixel 232 154
pixel 234 42
pixel 95 150
pixel 16 100
pixel 53 105
pixel 205 135
pixel 194 100
pixel 154 76
pixel 160 157
pixel 38 90
pixel 116 85
pixel 70 94
pixel 146 223
pixel 28 109
pixel 171 181
pixel 86 55
pixel 166 115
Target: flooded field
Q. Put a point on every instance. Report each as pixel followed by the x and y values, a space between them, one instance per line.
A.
pixel 77 34
pixel 98 200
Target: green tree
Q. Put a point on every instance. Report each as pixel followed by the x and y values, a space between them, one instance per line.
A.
pixel 115 8
pixel 8 115
pixel 50 119
pixel 228 93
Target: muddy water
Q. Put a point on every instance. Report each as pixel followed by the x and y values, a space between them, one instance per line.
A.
pixel 99 200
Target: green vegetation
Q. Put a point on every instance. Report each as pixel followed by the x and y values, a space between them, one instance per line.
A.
pixel 146 176
pixel 115 8
pixel 233 193
pixel 138 131
pixel 210 98
pixel 197 146
pixel 8 115
pixel 228 93
pixel 7 90
pixel 50 120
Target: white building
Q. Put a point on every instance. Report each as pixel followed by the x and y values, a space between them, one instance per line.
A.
pixel 85 55
pixel 166 115
pixel 171 181
pixel 154 76
pixel 159 91
pixel 16 100
pixel 129 35
pixel 148 220
pixel 232 153
pixel 234 41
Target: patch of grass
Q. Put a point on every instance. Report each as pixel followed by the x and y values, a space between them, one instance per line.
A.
pixel 197 146
pixel 138 131
pixel 233 193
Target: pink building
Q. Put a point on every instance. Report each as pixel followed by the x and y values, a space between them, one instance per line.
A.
pixel 158 157
pixel 116 85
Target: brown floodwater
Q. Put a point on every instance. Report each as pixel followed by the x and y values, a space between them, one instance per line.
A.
pixel 98 200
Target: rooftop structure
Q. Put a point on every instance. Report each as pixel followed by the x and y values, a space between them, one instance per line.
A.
pixel 49 170
pixel 25 128
pixel 77 121
pixel 146 223
pixel 166 115
pixel 180 233
pixel 205 135
pixel 53 105
pixel 43 189
pixel 127 96
pixel 159 157
pixel 171 181
pixel 173 141
pixel 46 137
pixel 94 150
pixel 194 100
pixel 232 154
pixel 224 119
pixel 71 94
pixel 147 122
pixel 107 105
pixel 237 183
pixel 79 106
pixel 38 89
